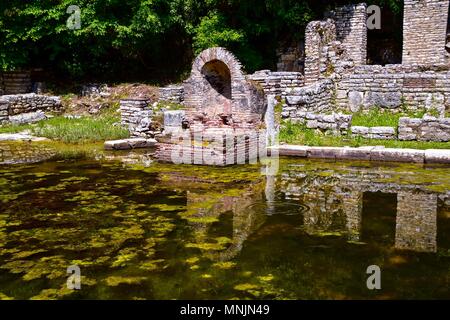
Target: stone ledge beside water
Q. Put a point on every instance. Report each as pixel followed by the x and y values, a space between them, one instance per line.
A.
pixel 369 153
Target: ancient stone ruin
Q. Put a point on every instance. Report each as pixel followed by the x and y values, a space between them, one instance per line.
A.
pixel 337 81
pixel 223 117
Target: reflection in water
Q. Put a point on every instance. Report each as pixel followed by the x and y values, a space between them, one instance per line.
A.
pixel 155 231
pixel 416 221
pixel 336 205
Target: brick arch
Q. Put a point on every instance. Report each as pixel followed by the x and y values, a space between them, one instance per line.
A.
pixel 220 54
pixel 218 92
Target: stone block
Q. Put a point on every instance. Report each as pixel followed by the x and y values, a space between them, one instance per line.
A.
pixel 323 152
pixel 292 150
pixel 397 155
pixel 359 130
pixel 30 117
pixel 355 99
pixel 388 131
pixel 437 156
pixel 354 153
pixel 126 144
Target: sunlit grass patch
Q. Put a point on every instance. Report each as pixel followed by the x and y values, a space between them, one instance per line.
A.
pixel 377 117
pixel 298 134
pixel 79 130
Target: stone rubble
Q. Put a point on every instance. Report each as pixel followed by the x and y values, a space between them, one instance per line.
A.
pixel 425 129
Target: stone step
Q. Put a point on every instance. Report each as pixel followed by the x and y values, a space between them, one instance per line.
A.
pixel 126 144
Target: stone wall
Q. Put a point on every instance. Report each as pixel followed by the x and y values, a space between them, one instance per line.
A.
pixel 335 122
pixel 314 98
pixel 383 133
pixel 277 83
pixel 15 82
pixel 212 146
pixel 424 31
pixel 137 116
pixel 395 87
pixel 317 35
pixel 426 129
pixel 172 93
pixel 292 58
pixel 351 31
pixel 25 108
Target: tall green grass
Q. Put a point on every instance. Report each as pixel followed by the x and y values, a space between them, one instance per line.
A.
pixel 80 130
pixel 74 130
pixel 14 128
pixel 377 117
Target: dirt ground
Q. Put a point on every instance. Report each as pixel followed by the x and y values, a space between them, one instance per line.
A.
pixel 107 98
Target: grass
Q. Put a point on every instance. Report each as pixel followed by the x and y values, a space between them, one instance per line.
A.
pixel 14 128
pixel 81 130
pixel 298 134
pixel 377 117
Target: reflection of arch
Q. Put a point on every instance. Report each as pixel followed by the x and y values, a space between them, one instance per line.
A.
pixel 218 76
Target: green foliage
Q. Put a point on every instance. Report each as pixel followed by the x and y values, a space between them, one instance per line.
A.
pixel 213 32
pixel 149 38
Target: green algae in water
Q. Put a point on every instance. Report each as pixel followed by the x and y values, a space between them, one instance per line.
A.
pixel 187 232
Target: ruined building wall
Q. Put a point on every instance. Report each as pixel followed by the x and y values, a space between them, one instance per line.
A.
pixel 351 31
pixel 26 108
pixel 416 225
pixel 312 98
pixel 218 88
pixel 277 83
pixel 317 35
pixel 424 31
pixel 394 87
pixel 291 59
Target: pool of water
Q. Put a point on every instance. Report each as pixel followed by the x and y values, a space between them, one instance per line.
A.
pixel 142 230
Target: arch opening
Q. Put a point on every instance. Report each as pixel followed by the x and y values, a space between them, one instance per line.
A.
pixel 218 75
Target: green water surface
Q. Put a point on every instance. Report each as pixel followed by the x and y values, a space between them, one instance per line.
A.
pixel 152 231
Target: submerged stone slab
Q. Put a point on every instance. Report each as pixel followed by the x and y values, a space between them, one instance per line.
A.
pixel 126 144
pixel 437 156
